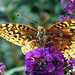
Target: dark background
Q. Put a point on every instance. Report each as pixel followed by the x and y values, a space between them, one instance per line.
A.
pixel 36 11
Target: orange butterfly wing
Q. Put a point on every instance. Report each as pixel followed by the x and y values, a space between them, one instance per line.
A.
pixel 19 34
pixel 62 37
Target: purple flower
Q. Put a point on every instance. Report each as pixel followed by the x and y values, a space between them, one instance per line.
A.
pixel 62 64
pixel 1 64
pixel 63 18
pixel 29 69
pixel 46 50
pixel 2 68
pixel 73 1
pixel 68 0
pixel 39 50
pixel 30 62
pixel 51 49
pixel 29 55
pixel 59 56
pixel 59 71
pixel 70 17
pixel 62 1
pixel 70 11
pixel 48 58
pixel 36 55
pixel 69 5
pixel 50 67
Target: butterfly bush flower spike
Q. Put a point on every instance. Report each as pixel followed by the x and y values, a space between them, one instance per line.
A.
pixel 69 9
pixel 2 68
pixel 47 61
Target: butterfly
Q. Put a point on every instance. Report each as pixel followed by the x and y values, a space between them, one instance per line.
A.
pixel 60 35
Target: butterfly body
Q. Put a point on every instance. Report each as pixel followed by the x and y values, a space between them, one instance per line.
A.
pixel 60 35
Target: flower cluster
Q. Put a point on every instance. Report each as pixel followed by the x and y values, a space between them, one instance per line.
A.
pixel 46 61
pixel 70 6
pixel 69 9
pixel 64 18
pixel 2 68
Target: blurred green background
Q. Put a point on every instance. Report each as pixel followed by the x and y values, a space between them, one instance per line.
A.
pixel 36 11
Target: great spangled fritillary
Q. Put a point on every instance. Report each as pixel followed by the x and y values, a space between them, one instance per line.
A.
pixel 60 35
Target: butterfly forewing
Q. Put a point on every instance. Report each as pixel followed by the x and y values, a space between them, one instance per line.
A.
pixel 62 36
pixel 17 34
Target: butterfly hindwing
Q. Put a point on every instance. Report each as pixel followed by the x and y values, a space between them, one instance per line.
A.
pixel 31 45
pixel 62 36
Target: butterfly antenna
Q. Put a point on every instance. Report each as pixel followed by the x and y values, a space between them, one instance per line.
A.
pixel 27 20
pixel 46 19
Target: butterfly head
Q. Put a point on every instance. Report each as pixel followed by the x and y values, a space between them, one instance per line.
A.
pixel 41 32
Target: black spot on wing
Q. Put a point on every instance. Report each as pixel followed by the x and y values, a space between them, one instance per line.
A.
pixel 72 30
pixel 23 27
pixel 19 26
pixel 7 25
pixel 15 36
pixel 27 28
pixel 13 31
pixel 9 33
pixel 19 39
pixel 59 25
pixel 56 27
pixel 63 24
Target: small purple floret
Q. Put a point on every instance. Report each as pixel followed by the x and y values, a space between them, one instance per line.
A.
pixel 48 57
pixel 70 11
pixel 62 1
pixel 64 18
pixel 59 71
pixel 50 67
pixel 2 68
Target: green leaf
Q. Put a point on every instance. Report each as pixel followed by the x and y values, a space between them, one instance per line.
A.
pixel 12 71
